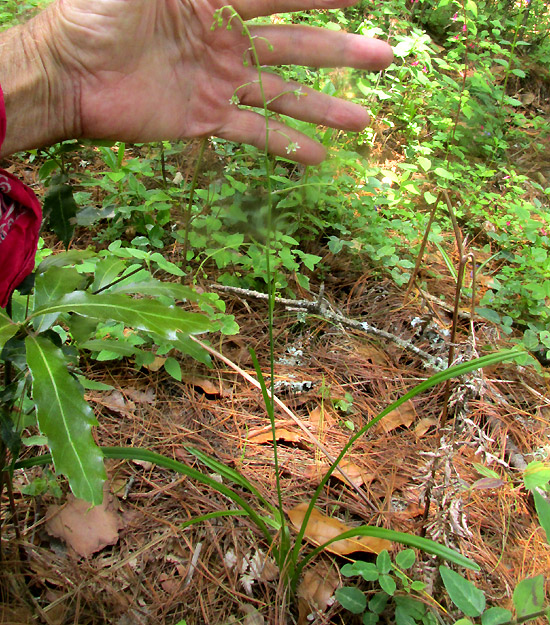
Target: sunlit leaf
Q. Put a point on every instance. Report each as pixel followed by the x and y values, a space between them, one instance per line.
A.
pixel 7 328
pixel 142 314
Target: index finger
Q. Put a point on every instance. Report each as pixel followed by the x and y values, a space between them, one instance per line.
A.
pixel 249 9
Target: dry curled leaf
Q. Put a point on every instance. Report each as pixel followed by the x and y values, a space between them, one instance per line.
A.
pixel 357 476
pixel 402 416
pixel 424 425
pixel 321 528
pixel 316 591
pixel 281 434
pixel 86 530
pixel 210 387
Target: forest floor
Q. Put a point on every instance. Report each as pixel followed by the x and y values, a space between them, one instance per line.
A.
pixel 334 379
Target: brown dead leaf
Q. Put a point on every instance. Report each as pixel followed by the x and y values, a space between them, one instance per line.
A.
pixel 321 528
pixel 140 397
pixel 316 591
pixel 209 386
pixel 403 415
pixel 281 434
pixel 321 417
pixel 116 402
pixel 85 530
pixel 156 365
pixel 253 617
pixel 357 475
pixel 424 425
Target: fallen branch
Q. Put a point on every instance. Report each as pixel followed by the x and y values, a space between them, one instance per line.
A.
pixel 322 309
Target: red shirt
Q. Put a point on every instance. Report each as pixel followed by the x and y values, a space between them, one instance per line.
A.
pixel 20 219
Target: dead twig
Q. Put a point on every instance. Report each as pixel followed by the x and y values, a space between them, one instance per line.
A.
pixel 322 309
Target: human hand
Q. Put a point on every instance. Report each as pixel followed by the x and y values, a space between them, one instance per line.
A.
pixel 146 70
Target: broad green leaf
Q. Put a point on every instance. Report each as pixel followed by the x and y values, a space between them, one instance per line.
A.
pixel 50 286
pixel 543 510
pixel 370 618
pixel 352 599
pixel 528 596
pixel 443 173
pixel 405 559
pixel 367 570
pixel 59 204
pixel 64 259
pixel 429 197
pixel 378 603
pixel 7 328
pixel 496 616
pixel 471 6
pixel 462 592
pixel 537 475
pixel 383 562
pixel 173 368
pixel 142 314
pixel 387 584
pixel 424 162
pixel 65 419
pixel 412 606
pixel 107 271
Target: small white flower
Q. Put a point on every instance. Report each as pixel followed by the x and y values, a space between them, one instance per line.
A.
pixel 292 147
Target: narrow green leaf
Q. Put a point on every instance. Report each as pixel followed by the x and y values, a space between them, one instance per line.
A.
pixel 543 510
pixel 143 314
pixel 7 328
pixel 462 592
pixel 65 419
pixel 352 599
pixel 528 596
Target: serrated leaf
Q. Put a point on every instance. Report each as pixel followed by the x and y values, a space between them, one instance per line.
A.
pixel 59 204
pixel 528 596
pixel 143 314
pixel 462 592
pixel 496 616
pixel 351 599
pixel 7 328
pixel 543 510
pixel 66 420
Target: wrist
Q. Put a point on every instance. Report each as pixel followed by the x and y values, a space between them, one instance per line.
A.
pixel 39 98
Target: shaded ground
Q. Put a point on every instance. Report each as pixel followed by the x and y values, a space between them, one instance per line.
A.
pixel 159 574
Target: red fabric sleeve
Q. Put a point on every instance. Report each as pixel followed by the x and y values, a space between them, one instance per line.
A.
pixel 20 219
